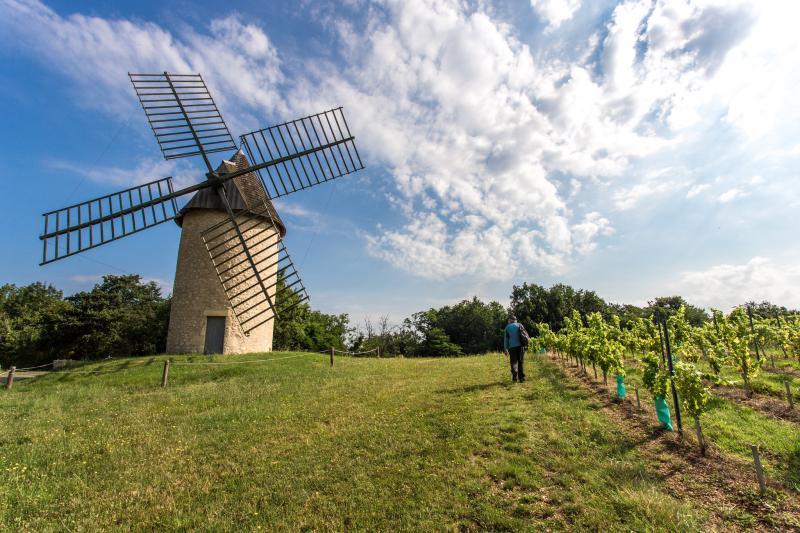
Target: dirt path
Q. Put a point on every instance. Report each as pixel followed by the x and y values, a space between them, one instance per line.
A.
pixel 765 404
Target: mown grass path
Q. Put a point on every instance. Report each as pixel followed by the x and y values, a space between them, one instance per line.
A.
pixel 371 444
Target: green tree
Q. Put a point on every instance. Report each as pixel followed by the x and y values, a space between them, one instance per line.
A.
pixel 437 344
pixel 533 304
pixel 301 328
pixel 31 319
pixel 529 303
pixel 471 324
pixel 120 316
pixel 669 305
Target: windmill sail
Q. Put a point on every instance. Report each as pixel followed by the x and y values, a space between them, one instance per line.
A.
pixel 182 114
pixel 255 270
pixel 302 153
pixel 246 249
pixel 89 224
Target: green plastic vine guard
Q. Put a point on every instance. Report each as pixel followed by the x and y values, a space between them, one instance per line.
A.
pixel 662 412
pixel 620 386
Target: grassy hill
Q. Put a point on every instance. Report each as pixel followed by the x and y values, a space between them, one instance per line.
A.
pixel 400 444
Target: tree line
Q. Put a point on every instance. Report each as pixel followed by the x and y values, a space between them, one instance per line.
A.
pixel 124 315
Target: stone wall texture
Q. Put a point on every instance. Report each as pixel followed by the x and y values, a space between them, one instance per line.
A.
pixel 198 293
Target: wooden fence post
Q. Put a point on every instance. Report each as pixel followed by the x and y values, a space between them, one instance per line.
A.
pixel 10 378
pixel 789 394
pixel 165 373
pixel 762 486
pixel 331 355
pixel 638 403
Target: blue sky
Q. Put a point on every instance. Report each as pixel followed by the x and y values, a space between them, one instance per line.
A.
pixel 634 148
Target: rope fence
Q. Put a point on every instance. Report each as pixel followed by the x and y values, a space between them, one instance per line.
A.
pixel 374 350
pixel 237 362
pixel 167 363
pixel 34 367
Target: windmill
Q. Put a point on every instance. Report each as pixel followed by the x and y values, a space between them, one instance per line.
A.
pixel 230 220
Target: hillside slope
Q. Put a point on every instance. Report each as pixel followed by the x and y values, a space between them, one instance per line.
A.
pixel 401 444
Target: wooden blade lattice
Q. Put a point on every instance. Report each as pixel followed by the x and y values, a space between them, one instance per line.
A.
pixel 89 224
pixel 282 289
pixel 182 114
pixel 302 153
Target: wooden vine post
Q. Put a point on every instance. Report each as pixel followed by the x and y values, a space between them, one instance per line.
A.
pixel 165 373
pixel 762 485
pixel 789 397
pixel 10 378
pixel 700 439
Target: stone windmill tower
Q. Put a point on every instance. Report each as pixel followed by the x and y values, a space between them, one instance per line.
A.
pixel 234 277
pixel 202 319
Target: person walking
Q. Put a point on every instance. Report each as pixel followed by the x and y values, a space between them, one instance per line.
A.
pixel 515 347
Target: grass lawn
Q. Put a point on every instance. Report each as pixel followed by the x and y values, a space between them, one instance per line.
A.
pixel 371 444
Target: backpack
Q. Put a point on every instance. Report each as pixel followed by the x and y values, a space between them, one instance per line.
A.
pixel 524 338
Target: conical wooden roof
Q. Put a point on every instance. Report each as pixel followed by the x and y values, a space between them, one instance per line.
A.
pixel 243 192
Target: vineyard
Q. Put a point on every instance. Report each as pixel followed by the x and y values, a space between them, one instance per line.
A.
pixel 731 380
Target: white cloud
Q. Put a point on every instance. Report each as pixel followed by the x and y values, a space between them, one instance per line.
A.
pixel 554 12
pixel 294 209
pixel 730 195
pixel 476 130
pixel 727 285
pixel 694 190
pixel 237 59
pixel 592 225
pixel 629 198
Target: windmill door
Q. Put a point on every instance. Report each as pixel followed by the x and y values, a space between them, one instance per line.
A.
pixel 215 334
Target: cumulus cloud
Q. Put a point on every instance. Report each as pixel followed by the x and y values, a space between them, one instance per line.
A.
pixel 487 143
pixel 554 12
pixel 730 195
pixel 236 58
pixel 696 189
pixel 629 198
pixel 724 286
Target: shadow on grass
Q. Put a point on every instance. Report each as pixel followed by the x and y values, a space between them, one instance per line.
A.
pixel 477 387
pixel 79 371
pixel 792 476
